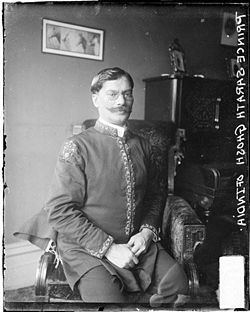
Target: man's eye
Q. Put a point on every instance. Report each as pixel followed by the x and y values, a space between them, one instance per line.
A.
pixel 112 94
pixel 128 95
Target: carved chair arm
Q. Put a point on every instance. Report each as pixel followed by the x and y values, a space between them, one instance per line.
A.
pixel 51 281
pixel 182 231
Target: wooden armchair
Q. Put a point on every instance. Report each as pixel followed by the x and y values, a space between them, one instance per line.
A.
pixel 181 228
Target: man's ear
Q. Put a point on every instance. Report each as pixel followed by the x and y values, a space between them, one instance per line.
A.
pixel 94 99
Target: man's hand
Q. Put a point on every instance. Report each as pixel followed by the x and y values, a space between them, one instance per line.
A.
pixel 140 242
pixel 122 256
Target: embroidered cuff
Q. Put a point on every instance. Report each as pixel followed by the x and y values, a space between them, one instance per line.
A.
pixel 101 252
pixel 156 237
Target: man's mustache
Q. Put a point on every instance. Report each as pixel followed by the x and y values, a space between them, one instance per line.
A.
pixel 124 109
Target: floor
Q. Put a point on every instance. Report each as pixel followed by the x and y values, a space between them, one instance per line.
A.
pixel 24 299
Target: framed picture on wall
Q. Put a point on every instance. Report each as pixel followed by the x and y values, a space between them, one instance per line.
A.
pixel 72 40
pixel 228 33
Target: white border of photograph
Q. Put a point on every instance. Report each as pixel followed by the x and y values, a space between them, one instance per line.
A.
pixel 72 40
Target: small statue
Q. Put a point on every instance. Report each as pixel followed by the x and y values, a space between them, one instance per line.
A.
pixel 177 57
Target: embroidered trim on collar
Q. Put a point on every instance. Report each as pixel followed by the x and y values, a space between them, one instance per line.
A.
pixel 120 129
pixel 105 129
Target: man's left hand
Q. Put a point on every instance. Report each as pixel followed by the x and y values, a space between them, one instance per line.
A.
pixel 140 242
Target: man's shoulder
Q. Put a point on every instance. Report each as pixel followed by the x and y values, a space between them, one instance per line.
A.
pixel 76 145
pixel 84 135
pixel 78 141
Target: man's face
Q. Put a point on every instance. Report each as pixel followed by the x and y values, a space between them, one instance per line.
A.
pixel 114 101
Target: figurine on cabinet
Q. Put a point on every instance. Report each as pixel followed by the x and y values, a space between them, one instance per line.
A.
pixel 177 58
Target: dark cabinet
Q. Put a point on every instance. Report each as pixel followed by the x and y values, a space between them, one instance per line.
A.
pixel 205 108
pixel 196 104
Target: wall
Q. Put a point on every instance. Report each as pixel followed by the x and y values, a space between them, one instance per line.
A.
pixel 45 94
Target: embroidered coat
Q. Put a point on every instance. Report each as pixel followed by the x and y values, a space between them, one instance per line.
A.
pixel 104 191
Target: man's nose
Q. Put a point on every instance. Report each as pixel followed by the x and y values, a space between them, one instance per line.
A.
pixel 121 99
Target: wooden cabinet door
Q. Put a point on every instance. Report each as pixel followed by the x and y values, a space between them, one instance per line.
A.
pixel 207 105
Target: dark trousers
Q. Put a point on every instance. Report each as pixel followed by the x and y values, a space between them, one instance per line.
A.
pixel 98 285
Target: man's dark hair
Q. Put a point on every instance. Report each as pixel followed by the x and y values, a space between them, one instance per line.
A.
pixel 109 74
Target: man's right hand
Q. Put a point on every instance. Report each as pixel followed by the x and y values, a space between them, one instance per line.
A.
pixel 121 256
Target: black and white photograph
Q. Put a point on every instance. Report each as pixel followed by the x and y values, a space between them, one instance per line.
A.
pixel 125 156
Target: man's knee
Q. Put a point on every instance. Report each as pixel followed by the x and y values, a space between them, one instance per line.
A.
pixel 172 284
pixel 170 278
pixel 174 281
pixel 98 285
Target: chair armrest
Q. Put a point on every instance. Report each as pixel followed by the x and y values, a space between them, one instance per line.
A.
pixel 182 230
pixel 51 282
pixel 44 269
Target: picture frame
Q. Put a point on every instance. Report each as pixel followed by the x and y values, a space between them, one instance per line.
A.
pixel 177 58
pixel 228 32
pixel 72 40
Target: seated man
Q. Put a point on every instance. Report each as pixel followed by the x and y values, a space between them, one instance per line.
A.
pixel 106 206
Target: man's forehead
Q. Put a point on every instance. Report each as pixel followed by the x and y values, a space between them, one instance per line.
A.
pixel 121 82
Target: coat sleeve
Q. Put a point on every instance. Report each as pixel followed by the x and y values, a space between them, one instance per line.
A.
pixel 156 194
pixel 65 205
